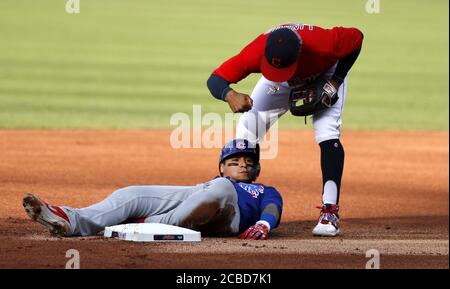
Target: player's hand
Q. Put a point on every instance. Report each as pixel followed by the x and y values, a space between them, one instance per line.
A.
pixel 238 102
pixel 255 232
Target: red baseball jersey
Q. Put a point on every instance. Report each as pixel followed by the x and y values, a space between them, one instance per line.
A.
pixel 321 49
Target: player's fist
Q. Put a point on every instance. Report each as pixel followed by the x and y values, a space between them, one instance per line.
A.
pixel 238 102
pixel 255 232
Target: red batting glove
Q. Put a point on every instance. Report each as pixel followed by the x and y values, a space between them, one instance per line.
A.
pixel 255 232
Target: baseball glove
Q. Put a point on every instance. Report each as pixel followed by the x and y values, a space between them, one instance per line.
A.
pixel 316 97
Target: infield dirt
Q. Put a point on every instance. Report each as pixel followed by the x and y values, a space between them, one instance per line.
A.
pixel 394 199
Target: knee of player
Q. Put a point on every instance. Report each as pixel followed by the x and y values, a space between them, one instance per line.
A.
pixel 124 192
pixel 221 189
pixel 326 129
pixel 332 146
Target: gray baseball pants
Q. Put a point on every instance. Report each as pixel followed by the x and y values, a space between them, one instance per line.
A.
pixel 210 207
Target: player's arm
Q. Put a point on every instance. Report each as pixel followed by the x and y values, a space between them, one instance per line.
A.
pixel 272 205
pixel 234 70
pixel 347 46
pixel 220 89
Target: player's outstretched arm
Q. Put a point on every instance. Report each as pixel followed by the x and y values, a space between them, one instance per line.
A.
pixel 233 70
pixel 270 218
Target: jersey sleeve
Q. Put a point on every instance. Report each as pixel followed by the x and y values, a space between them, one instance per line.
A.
pixel 346 41
pixel 271 207
pixel 245 62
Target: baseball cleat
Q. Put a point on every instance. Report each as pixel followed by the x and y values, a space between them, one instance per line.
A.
pixel 328 224
pixel 53 217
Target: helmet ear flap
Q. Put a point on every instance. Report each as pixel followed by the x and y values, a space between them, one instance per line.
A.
pixel 255 171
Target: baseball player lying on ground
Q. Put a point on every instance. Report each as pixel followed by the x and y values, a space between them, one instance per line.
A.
pixel 225 206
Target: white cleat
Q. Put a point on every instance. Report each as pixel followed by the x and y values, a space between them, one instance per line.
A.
pixel 53 217
pixel 326 230
pixel 329 223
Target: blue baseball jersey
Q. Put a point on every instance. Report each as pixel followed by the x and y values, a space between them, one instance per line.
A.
pixel 253 199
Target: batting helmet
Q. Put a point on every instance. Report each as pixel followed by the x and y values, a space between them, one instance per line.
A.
pixel 242 146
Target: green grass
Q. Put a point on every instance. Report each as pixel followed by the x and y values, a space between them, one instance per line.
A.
pixel 132 64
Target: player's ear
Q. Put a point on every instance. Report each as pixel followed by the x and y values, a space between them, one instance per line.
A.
pixel 221 166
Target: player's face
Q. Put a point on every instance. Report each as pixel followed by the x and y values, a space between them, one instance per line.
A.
pixel 237 168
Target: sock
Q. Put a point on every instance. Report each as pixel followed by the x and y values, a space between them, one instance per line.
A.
pixel 332 164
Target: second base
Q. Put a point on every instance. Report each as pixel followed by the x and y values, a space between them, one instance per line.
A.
pixel 151 232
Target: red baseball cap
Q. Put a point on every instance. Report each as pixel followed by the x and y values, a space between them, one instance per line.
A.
pixel 279 62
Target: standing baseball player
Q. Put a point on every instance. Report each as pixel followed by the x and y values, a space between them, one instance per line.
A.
pixel 227 205
pixel 304 70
